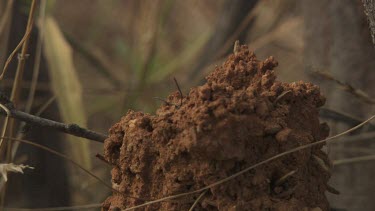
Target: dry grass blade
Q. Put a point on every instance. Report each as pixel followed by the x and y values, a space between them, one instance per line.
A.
pixel 62 156
pixel 354 160
pixel 45 106
pixel 66 86
pixel 80 207
pixel 321 163
pixel 342 116
pixel 97 58
pixel 197 200
pixel 252 167
pixel 285 177
pixel 347 87
pixel 179 90
pixel 5 168
pixel 6 16
pixel 24 44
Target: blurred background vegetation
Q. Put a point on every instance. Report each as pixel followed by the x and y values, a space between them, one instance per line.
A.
pixel 95 59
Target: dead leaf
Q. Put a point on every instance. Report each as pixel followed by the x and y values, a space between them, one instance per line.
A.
pixel 10 167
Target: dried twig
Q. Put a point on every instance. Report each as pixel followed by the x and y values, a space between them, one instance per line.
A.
pixel 236 47
pixel 101 157
pixel 70 160
pixel 179 90
pixel 347 87
pixel 197 200
pixel 45 105
pixel 282 95
pixel 162 100
pixel 332 190
pixel 284 178
pixel 322 163
pixel 72 129
pixel 330 139
pixel 60 155
pixel 14 52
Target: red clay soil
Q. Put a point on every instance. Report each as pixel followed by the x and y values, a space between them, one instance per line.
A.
pixel 239 117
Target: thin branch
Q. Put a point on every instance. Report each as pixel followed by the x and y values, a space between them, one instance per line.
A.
pixel 72 129
pixel 285 177
pixel 71 161
pixel 162 100
pixel 197 200
pixel 63 156
pixel 102 158
pixel 252 167
pixel 14 52
pixel 347 87
pixel 45 105
pixel 179 90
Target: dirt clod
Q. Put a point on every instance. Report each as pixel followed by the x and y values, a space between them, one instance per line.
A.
pixel 240 116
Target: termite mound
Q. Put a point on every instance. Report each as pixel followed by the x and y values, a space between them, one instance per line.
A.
pixel 241 115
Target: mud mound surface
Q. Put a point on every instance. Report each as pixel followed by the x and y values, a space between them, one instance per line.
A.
pixel 239 117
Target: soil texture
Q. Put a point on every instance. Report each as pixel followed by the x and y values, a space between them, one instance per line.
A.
pixel 241 115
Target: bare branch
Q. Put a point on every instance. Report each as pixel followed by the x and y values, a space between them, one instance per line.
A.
pixel 360 94
pixel 72 129
pixel 179 90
